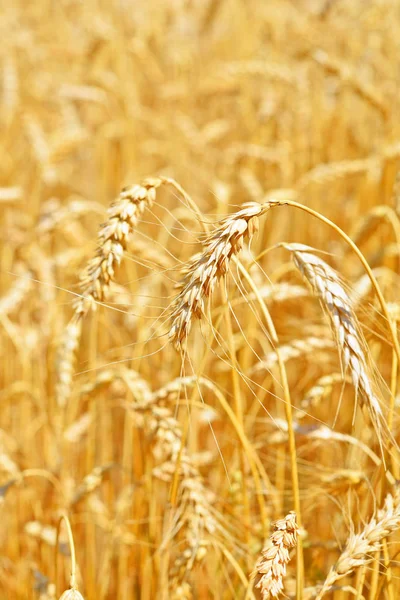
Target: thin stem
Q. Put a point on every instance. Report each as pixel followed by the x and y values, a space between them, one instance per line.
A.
pixel 291 433
pixel 64 517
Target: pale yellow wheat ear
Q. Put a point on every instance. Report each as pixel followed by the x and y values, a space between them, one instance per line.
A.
pixel 72 593
pixel 329 288
pixel 361 547
pixel 270 568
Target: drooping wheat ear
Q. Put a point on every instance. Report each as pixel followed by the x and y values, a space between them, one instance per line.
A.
pixel 113 238
pixel 360 547
pixel 271 566
pixel 328 286
pixel 206 268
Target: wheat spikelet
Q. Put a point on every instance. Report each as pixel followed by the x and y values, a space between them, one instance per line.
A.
pixel 40 147
pixel 205 269
pixel 76 431
pixel 11 194
pixel 280 292
pixel 253 151
pixel 396 193
pixel 327 285
pixel 197 517
pixel 54 215
pixel 46 534
pixel 90 483
pixel 10 95
pixel 368 223
pixel 279 72
pixel 361 546
pixel 270 568
pixel 251 183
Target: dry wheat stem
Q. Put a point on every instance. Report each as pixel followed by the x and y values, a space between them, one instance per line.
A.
pixel 270 569
pixel 360 547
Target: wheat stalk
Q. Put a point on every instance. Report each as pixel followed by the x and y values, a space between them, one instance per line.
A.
pixel 270 568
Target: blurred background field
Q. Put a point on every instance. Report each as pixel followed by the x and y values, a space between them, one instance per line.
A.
pixel 236 101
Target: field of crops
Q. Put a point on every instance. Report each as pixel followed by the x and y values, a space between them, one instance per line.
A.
pixel 199 299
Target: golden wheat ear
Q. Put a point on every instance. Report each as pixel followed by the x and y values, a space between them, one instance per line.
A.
pixel 270 568
pixel 204 269
pixel 353 350
pixel 113 238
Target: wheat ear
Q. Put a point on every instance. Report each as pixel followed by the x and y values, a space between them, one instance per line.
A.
pixel 206 268
pixel 327 285
pixel 360 547
pixel 113 238
pixel 270 568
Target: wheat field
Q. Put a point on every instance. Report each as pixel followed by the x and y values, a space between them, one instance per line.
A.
pixel 199 299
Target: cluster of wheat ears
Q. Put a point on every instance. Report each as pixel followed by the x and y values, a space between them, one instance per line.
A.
pixel 203 403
